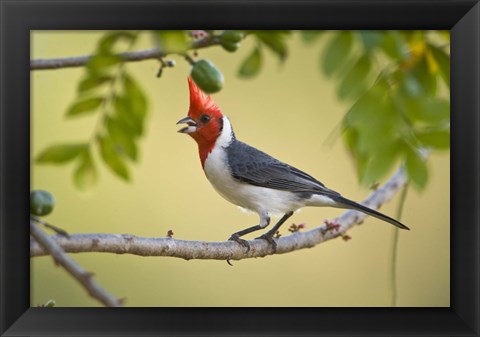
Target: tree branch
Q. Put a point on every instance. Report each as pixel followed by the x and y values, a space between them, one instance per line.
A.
pixel 228 250
pixel 140 55
pixel 48 244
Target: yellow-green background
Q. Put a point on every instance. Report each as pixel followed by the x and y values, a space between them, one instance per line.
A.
pixel 288 111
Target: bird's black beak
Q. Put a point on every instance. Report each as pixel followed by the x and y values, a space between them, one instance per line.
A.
pixel 192 125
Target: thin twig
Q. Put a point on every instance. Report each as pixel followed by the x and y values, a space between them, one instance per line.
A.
pixel 56 229
pixel 393 264
pixel 50 245
pixel 228 250
pixel 133 56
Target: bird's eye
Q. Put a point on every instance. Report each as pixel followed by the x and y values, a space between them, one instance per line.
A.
pixel 205 118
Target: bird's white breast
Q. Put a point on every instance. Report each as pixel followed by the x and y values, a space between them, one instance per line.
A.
pixel 254 198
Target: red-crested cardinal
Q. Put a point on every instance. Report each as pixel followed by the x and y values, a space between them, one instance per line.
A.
pixel 252 179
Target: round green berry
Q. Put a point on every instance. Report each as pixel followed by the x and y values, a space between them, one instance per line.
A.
pixel 41 202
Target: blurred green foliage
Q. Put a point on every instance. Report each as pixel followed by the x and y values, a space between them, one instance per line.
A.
pixel 396 84
pixel 251 65
pixel 399 111
pixel 108 91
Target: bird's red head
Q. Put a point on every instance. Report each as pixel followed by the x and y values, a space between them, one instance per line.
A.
pixel 204 119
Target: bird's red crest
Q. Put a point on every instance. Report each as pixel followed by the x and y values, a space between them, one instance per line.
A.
pixel 200 102
pixel 207 119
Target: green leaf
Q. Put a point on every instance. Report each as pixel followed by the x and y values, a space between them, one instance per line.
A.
pixel 131 107
pixel 136 97
pixel 84 107
pixel 381 162
pixel 416 168
pixel 129 121
pixel 111 155
pixel 354 81
pixel 364 109
pixel 251 65
pixel 336 52
pixel 371 39
pixel 377 120
pixel 437 139
pixel 85 174
pixel 374 139
pixel 410 85
pixel 350 137
pixel 275 40
pixel 60 154
pixel 122 140
pixel 172 41
pixel 435 111
pixel 426 80
pixel 100 62
pixel 93 82
pixel 310 36
pixel 372 106
pixel 443 61
pixel 107 42
pixel 394 45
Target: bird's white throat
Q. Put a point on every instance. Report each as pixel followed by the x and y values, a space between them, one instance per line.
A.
pixel 226 136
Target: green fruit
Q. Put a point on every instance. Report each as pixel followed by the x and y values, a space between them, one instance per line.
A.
pixel 229 46
pixel 231 36
pixel 207 76
pixel 41 202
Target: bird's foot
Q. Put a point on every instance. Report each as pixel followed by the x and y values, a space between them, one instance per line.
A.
pixel 269 238
pixel 243 242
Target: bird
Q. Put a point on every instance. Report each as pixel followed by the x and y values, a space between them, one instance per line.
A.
pixel 252 179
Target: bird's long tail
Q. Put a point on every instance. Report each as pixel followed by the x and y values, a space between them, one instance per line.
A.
pixel 346 203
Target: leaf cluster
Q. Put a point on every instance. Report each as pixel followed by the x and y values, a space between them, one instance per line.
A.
pixel 397 83
pixel 274 40
pixel 112 95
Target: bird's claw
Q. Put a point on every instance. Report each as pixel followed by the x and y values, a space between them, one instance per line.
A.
pixel 270 240
pixel 243 242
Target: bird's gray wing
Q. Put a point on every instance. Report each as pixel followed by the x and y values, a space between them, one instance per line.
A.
pixel 255 167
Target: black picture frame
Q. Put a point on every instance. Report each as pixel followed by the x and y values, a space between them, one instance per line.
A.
pixel 18 17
